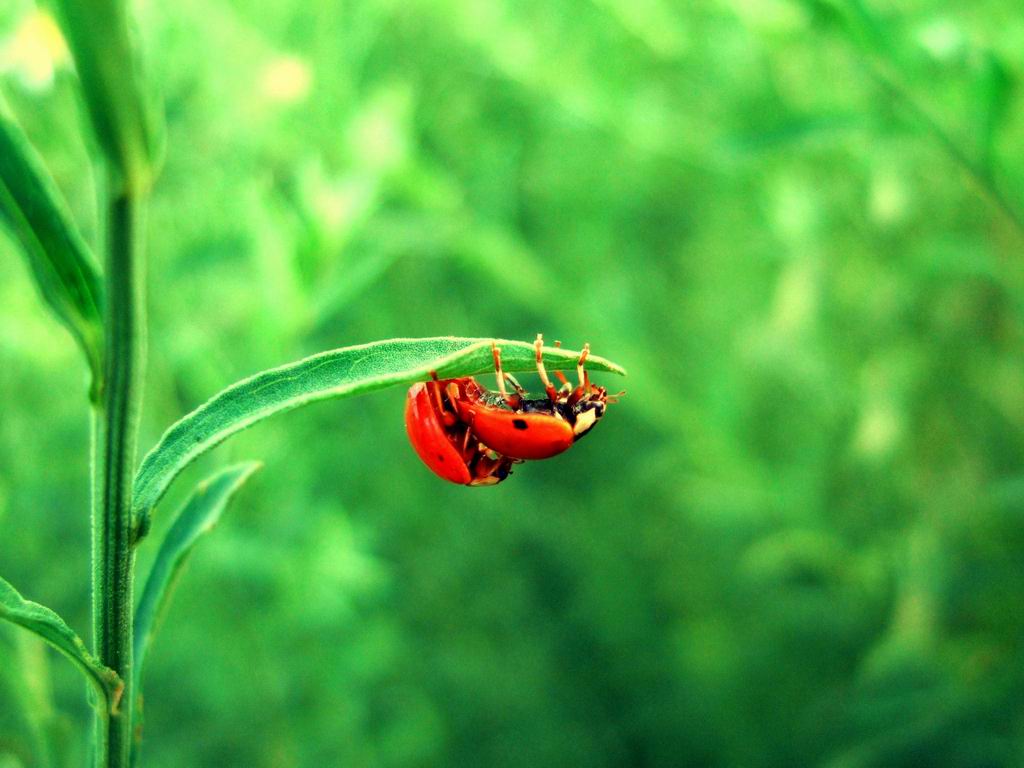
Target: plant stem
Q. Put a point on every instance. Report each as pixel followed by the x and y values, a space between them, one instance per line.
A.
pixel 115 433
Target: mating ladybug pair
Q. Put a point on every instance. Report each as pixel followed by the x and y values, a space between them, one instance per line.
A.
pixel 472 436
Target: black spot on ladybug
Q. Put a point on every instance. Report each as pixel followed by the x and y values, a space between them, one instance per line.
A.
pixel 440 458
pixel 519 423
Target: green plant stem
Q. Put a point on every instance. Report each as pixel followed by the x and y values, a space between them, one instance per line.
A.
pixel 115 432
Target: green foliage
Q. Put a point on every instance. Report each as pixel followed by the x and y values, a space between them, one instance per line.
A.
pixel 795 541
pixel 61 263
pixel 335 374
pixel 50 627
pixel 122 110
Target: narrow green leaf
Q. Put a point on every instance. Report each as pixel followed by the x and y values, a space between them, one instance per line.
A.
pixel 123 113
pixel 52 628
pixel 65 272
pixel 338 373
pixel 199 515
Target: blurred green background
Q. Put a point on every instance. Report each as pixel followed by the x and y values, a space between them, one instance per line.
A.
pixel 799 539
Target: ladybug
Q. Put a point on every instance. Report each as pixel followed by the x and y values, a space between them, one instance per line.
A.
pixel 472 436
pixel 443 441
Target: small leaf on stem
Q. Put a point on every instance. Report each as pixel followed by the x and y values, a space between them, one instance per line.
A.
pixel 53 629
pixel 199 515
pixel 64 270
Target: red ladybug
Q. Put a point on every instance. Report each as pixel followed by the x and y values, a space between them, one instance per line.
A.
pixel 472 436
pixel 443 441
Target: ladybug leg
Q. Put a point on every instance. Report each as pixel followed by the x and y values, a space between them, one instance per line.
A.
pixel 581 371
pixel 435 390
pixel 559 374
pixel 447 417
pixel 486 470
pixel 452 391
pixel 573 396
pixel 549 388
pixel 510 400
pixel 515 385
pixel 496 353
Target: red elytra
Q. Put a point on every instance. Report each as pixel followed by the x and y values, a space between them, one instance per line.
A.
pixel 521 435
pixel 469 435
pixel 444 443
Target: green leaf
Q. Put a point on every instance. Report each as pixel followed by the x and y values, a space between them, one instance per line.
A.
pixel 199 515
pixel 123 113
pixel 52 628
pixel 338 373
pixel 65 272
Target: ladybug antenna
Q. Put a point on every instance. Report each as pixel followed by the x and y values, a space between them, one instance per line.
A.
pixel 581 371
pixel 549 388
